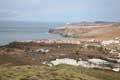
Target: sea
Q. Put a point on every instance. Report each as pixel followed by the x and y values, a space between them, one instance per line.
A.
pixel 15 30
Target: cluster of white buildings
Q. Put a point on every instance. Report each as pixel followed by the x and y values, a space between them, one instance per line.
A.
pixel 63 40
pixel 73 41
pixel 90 63
pixel 50 41
pixel 115 45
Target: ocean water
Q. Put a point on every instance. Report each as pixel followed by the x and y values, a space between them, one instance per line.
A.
pixel 11 31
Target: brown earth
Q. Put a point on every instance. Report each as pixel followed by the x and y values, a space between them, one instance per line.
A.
pixel 90 30
pixel 17 54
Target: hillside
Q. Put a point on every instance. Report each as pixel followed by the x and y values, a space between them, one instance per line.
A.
pixel 96 30
pixel 60 72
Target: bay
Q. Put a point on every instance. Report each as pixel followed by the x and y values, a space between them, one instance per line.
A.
pixel 12 31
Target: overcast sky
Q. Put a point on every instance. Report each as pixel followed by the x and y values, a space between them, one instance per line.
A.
pixel 60 10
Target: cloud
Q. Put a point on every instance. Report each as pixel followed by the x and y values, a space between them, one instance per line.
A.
pixel 59 9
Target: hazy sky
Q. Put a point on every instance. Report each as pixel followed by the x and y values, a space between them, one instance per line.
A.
pixel 60 10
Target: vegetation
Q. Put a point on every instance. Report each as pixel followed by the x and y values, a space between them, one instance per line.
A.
pixel 60 72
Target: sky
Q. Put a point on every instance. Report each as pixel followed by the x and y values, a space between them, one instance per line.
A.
pixel 60 10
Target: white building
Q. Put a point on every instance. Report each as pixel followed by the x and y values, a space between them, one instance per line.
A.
pixel 65 61
pixel 97 61
pixel 104 43
pixel 116 69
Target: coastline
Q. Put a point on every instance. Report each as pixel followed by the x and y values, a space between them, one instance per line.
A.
pixel 103 54
pixel 90 30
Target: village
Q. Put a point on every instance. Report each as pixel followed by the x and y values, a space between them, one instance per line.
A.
pixel 106 53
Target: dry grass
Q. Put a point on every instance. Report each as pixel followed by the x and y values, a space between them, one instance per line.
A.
pixel 60 72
